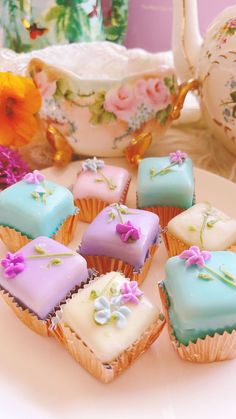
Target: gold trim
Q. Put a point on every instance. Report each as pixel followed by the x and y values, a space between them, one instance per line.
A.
pixel 184 88
pixel 183 28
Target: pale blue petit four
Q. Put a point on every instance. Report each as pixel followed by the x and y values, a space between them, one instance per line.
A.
pixel 201 291
pixel 166 181
pixel 35 206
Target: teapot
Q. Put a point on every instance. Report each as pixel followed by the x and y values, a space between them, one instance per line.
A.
pixel 212 61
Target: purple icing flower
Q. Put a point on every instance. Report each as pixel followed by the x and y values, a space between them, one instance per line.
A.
pixel 12 167
pixel 178 157
pixel 130 292
pixel 194 256
pixel 128 231
pixel 93 164
pixel 13 264
pixel 34 177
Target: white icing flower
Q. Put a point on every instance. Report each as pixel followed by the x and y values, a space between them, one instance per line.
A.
pixel 93 164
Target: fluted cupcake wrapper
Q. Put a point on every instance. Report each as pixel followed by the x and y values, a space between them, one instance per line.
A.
pixel 29 318
pixel 91 207
pixel 210 349
pixel 165 214
pixel 104 372
pixel 14 240
pixel 105 264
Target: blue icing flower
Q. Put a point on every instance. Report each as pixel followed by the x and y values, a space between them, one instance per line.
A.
pixel 93 164
pixel 110 310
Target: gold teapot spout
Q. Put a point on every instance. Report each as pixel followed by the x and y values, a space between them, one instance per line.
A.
pixel 184 88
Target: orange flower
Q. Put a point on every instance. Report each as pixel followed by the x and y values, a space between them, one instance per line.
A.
pixel 19 102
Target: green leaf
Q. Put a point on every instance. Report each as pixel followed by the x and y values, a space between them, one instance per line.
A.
pixel 93 295
pixel 39 249
pixel 233 96
pixel 35 195
pixel 56 261
pixel 192 228
pixel 205 276
pixel 170 83
pixel 55 12
pixel 163 115
pixel 107 117
pixel 98 180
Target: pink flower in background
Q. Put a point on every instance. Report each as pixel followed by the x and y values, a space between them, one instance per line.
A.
pixel 178 157
pixel 13 264
pixel 122 102
pixel 194 256
pixel 46 89
pixel 35 177
pixel 153 92
pixel 128 231
pixel 130 292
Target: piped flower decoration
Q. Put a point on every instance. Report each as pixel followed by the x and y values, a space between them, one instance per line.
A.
pixel 34 177
pixel 130 293
pixel 93 164
pixel 128 232
pixel 178 157
pixel 107 311
pixel 13 264
pixel 194 256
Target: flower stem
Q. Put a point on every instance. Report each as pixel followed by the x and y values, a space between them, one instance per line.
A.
pixel 47 255
pixel 109 182
pixel 221 277
pixel 119 215
pixel 164 170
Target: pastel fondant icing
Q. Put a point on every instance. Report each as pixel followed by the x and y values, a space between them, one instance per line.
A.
pixel 205 226
pixel 101 181
pixel 35 206
pixel 201 291
pixel 163 182
pixel 109 315
pixel 41 274
pixel 121 233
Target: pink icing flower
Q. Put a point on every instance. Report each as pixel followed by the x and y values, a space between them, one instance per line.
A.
pixel 13 264
pixel 121 101
pixel 130 292
pixel 128 231
pixel 178 157
pixel 34 177
pixel 153 92
pixel 46 89
pixel 194 256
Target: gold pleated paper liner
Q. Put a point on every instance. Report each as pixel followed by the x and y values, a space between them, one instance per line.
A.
pixel 87 358
pixel 210 349
pixel 30 319
pixel 14 240
pixel 165 214
pixel 173 245
pixel 105 264
pixel 91 207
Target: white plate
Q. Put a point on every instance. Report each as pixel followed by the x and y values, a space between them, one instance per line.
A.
pixel 39 379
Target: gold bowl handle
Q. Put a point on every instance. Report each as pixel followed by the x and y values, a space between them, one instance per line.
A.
pixel 184 88
pixel 140 143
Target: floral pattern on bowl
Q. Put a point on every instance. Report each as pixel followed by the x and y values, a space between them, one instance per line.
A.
pixel 113 114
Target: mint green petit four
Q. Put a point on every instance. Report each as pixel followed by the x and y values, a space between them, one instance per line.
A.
pixel 201 292
pixel 166 181
pixel 35 207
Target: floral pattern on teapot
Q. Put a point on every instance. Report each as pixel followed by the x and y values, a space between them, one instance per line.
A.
pixel 226 31
pixel 132 104
pixel 229 106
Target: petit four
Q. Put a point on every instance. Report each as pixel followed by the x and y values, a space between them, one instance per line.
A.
pixel 98 185
pixel 120 238
pixel 165 185
pixel 107 325
pixel 199 295
pixel 202 225
pixel 36 207
pixel 38 277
